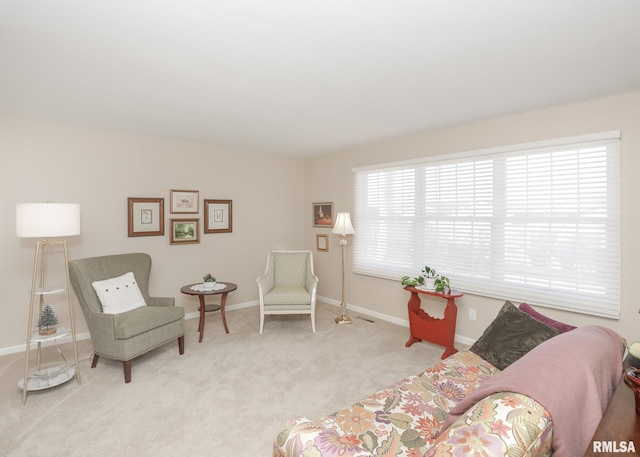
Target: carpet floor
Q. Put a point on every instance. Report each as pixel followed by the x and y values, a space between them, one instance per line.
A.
pixel 228 396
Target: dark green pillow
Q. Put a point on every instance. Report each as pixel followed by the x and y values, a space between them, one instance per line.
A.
pixel 511 335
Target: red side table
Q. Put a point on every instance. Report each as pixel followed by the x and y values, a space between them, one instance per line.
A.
pixel 422 326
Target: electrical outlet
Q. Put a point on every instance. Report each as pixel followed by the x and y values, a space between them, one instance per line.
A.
pixel 472 314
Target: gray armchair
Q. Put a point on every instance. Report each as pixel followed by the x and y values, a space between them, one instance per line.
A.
pixel 288 285
pixel 127 335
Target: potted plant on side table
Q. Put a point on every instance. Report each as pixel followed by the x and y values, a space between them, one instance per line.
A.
pixel 208 281
pixel 429 279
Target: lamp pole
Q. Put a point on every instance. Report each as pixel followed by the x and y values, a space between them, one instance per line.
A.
pixel 343 228
pixel 343 319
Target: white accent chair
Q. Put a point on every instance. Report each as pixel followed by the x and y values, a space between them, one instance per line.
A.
pixel 288 285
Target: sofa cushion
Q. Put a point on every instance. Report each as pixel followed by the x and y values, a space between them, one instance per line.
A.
pixel 119 294
pixel 511 335
pixel 561 326
pixel 141 320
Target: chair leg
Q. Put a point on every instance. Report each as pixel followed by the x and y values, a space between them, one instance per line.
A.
pixel 181 344
pixel 261 323
pixel 126 365
pixel 95 360
pixel 313 322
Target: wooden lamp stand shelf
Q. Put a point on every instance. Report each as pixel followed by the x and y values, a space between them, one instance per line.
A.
pixel 422 326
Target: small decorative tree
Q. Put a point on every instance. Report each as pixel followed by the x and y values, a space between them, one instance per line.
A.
pixel 47 321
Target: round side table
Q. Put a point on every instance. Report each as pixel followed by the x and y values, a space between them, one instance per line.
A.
pixel 229 287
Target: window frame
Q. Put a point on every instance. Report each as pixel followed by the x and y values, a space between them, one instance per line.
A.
pixel 400 208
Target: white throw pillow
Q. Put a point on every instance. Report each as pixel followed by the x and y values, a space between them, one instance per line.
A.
pixel 120 294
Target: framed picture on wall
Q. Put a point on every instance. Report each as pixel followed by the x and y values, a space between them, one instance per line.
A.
pixel 185 231
pixel 146 216
pixel 218 216
pixel 184 201
pixel 323 214
pixel 322 243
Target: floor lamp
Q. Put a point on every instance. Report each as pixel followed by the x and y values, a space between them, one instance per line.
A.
pixel 343 228
pixel 46 221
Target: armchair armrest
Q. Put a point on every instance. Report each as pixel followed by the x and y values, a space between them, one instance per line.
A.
pixel 311 282
pixel 103 330
pixel 265 283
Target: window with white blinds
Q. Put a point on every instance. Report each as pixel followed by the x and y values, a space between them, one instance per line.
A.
pixel 538 223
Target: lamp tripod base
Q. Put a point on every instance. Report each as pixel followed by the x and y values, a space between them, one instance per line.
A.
pixel 343 319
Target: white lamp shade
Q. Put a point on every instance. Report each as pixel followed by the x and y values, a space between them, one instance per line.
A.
pixel 343 224
pixel 47 220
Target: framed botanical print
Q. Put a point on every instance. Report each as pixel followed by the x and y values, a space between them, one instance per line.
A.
pixel 184 201
pixel 323 214
pixel 218 216
pixel 146 216
pixel 185 231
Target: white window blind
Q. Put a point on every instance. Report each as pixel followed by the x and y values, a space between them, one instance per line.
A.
pixel 538 223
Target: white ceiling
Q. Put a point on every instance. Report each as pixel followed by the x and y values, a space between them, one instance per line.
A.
pixel 306 77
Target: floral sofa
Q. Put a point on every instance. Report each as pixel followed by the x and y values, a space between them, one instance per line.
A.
pixel 465 406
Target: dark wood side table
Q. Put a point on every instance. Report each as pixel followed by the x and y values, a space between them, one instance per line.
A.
pixel 229 287
pixel 620 422
pixel 422 326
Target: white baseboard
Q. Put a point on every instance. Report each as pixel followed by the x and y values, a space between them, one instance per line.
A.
pixel 86 336
pixel 386 317
pixel 22 347
pixel 196 315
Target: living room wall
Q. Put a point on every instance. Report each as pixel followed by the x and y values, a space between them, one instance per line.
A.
pixel 42 162
pixel 100 169
pixel 387 298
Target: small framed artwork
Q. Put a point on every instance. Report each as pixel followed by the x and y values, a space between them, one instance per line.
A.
pixel 146 216
pixel 322 243
pixel 184 201
pixel 185 231
pixel 218 216
pixel 323 214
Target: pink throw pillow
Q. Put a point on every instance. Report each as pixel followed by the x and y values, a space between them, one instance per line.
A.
pixel 560 326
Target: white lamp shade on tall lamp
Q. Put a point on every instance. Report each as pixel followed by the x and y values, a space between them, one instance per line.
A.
pixel 343 224
pixel 47 220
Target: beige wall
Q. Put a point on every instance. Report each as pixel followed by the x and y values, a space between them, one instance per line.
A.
pixel 272 197
pixel 328 178
pixel 98 169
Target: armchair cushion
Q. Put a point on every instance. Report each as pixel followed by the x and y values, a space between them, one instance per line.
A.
pixel 138 321
pixel 287 295
pixel 120 294
pixel 290 269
